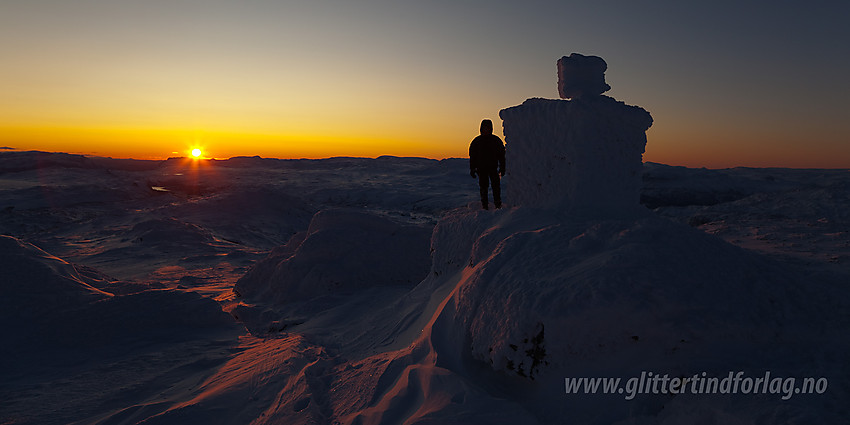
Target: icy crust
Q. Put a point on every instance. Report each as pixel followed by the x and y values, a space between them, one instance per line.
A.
pixel 523 298
pixel 277 381
pixel 342 250
pixel 548 293
pixel 541 299
pixel 581 155
pixel 49 302
pixel 35 279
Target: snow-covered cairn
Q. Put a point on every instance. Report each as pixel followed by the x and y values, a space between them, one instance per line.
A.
pixel 582 154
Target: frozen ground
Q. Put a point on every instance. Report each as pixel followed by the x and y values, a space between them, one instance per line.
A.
pixel 378 293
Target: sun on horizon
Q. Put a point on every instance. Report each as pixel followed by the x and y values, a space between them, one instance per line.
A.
pixel 196 153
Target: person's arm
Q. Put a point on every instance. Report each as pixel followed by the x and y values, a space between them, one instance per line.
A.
pixel 473 156
pixel 501 158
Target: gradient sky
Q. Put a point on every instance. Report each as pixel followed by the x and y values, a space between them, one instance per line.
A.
pixel 728 82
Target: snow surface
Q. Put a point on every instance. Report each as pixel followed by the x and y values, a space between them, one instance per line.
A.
pixel 545 298
pixel 341 251
pixel 116 296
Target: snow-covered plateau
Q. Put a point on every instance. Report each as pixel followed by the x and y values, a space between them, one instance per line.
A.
pixel 376 291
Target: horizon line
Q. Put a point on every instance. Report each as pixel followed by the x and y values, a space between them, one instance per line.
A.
pixel 7 149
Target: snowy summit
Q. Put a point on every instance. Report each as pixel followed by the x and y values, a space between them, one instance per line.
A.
pixel 376 291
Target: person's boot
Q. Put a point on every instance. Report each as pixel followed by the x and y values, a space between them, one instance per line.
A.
pixel 485 206
pixel 498 205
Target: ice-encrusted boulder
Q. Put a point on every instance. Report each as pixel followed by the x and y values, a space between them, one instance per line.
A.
pixel 582 156
pixel 580 75
pixel 543 298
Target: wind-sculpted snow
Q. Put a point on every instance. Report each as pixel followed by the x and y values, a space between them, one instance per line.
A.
pixel 51 309
pixel 585 289
pixel 515 300
pixel 341 251
pixel 539 298
pixel 34 279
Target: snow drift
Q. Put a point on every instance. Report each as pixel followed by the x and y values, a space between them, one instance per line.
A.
pixel 544 299
pixel 341 251
pixel 34 279
pixel 52 310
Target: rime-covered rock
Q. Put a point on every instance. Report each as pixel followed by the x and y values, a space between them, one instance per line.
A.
pixel 583 156
pixel 580 75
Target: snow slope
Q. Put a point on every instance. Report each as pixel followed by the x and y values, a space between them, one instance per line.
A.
pixel 739 269
pixel 546 298
pixel 69 346
pixel 531 298
pixel 341 251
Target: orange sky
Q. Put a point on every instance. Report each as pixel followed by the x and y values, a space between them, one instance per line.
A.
pixel 146 79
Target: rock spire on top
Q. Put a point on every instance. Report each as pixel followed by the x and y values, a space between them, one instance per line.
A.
pixel 580 75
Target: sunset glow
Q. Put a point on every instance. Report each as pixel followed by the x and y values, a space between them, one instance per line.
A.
pixel 137 78
pixel 196 153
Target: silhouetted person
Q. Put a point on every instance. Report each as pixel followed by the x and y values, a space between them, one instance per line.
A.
pixel 487 162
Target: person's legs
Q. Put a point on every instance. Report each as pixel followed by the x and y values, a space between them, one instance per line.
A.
pixel 497 189
pixel 483 183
